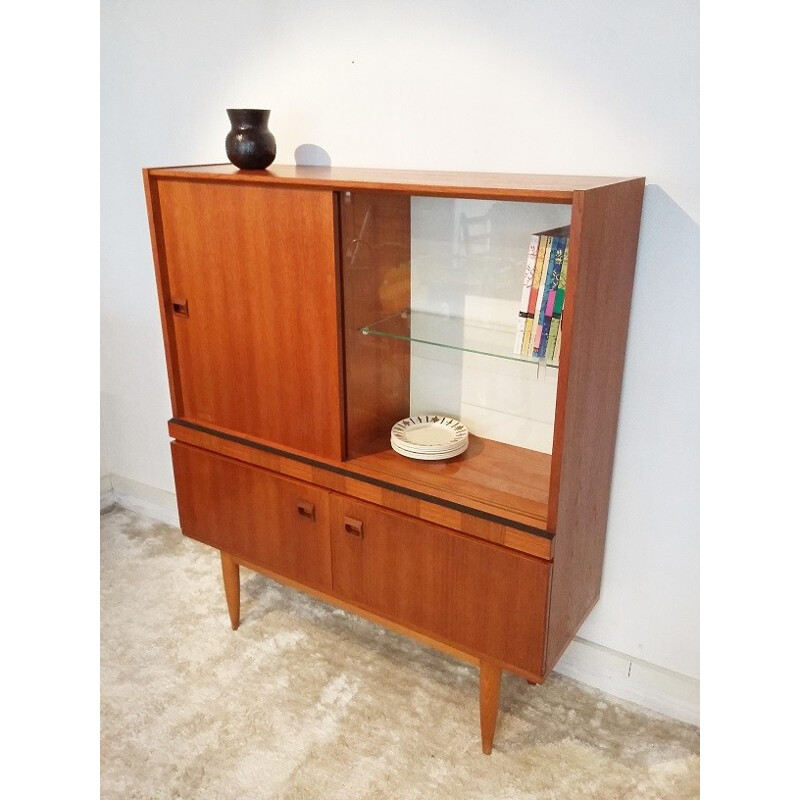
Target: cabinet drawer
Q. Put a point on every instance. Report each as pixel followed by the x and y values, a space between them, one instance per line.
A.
pixel 277 523
pixel 478 596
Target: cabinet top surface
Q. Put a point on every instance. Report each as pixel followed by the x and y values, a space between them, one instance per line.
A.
pixel 484 184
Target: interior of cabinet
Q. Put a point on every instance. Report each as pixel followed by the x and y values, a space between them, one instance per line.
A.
pixel 431 289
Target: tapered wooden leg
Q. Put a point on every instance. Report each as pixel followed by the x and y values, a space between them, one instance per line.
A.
pixel 490 699
pixel 230 578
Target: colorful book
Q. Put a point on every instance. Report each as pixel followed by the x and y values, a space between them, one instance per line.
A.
pixel 562 284
pixel 553 340
pixel 537 273
pixel 549 300
pixel 557 350
pixel 527 284
pixel 535 305
pixel 540 296
pixel 556 255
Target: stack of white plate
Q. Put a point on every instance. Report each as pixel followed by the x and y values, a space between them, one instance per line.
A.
pixel 429 437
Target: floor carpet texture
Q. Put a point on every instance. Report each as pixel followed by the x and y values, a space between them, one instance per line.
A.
pixel 308 701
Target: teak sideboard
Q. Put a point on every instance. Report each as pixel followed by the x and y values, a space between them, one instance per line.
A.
pixel 269 283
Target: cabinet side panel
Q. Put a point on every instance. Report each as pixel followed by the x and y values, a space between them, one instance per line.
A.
pixel 253 308
pixel 376 283
pixel 162 287
pixel 605 235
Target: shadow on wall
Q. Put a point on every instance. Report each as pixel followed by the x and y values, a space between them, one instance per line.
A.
pixel 649 597
pixel 657 455
pixel 311 155
pixel 666 309
pixel 660 414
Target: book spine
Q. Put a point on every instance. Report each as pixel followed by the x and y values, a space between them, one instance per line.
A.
pixel 557 349
pixel 545 295
pixel 527 284
pixel 555 327
pixel 557 261
pixel 529 315
pixel 558 311
pixel 541 254
pixel 534 308
pixel 561 289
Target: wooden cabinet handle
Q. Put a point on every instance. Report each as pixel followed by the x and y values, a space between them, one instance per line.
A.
pixel 180 306
pixel 355 527
pixel 306 509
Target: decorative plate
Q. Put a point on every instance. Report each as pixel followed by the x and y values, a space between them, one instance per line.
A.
pixel 429 433
pixel 439 456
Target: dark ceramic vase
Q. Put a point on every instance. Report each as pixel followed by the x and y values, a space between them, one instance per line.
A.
pixel 249 143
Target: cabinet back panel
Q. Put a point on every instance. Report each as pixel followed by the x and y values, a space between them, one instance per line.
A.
pixel 257 344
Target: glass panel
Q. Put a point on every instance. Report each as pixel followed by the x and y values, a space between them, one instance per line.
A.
pixel 375 255
pixel 450 291
pixel 455 333
pixel 468 261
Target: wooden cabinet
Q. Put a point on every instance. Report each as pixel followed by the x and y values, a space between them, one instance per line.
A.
pixel 305 310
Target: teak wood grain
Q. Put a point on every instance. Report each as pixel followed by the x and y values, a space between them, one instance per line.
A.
pixel 436 643
pixel 491 185
pixel 473 514
pixel 259 349
pixel 376 279
pixel 230 580
pixel 490 676
pixel 605 235
pixel 490 472
pixel 434 581
pixel 405 630
pixel 253 515
pixel 162 287
pixel 486 598
pixel 281 417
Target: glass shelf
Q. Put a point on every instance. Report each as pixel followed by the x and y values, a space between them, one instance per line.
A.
pixel 453 333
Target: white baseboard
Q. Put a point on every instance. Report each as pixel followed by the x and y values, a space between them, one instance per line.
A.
pixel 107 499
pixel 643 683
pixel 148 500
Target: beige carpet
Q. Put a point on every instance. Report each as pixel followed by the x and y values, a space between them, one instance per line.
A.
pixel 307 701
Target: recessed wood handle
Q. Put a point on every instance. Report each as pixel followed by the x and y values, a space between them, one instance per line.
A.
pixel 355 527
pixel 180 306
pixel 306 509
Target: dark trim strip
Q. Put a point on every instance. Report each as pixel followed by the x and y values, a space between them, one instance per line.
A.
pixel 366 479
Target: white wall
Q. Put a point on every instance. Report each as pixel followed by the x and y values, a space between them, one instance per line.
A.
pixel 582 87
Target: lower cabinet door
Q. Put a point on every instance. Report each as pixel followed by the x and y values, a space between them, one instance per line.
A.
pixel 481 597
pixel 277 523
